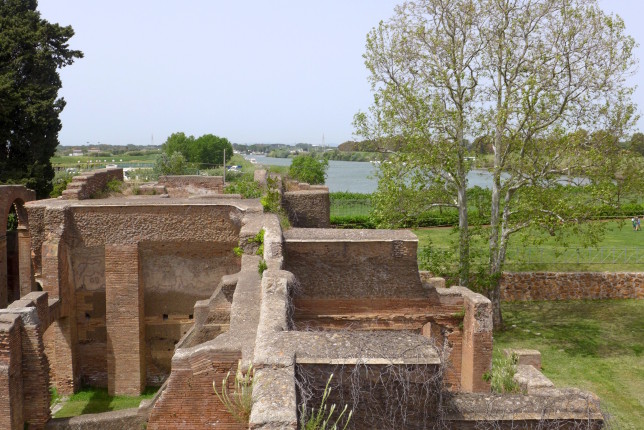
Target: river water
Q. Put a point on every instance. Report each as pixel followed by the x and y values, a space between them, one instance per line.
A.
pixel 360 177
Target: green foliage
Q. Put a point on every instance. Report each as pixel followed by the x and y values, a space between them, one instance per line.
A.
pixel 323 419
pixel 112 187
pixel 12 222
pixel 207 149
pixel 271 200
pixel 60 182
pixel 239 402
pixel 174 164
pixel 262 266
pixel 238 251
pixel 31 52
pixel 637 143
pixel 248 189
pixel 258 238
pixel 501 377
pixel 97 400
pixel 355 221
pixel 306 168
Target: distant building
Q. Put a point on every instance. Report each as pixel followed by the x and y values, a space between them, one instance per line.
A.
pixel 76 153
pixel 93 151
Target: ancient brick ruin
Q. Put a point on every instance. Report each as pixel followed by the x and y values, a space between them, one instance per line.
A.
pixel 147 291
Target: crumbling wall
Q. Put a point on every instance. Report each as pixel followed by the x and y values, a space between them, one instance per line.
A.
pixel 184 185
pixel 24 367
pixel 84 186
pixel 523 286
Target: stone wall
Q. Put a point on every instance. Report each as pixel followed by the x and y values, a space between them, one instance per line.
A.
pixel 571 286
pixel 184 185
pixel 84 186
pixel 308 208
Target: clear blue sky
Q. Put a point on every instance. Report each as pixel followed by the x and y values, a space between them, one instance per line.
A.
pixel 253 71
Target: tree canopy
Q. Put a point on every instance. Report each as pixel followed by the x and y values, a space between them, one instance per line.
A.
pixel 207 149
pixel 306 168
pixel 539 83
pixel 31 52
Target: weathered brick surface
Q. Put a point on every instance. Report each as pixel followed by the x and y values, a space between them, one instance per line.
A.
pixel 477 342
pixel 308 208
pixel 189 401
pixel 84 186
pixel 124 318
pixel 353 263
pixel 26 280
pixel 571 285
pixel 11 389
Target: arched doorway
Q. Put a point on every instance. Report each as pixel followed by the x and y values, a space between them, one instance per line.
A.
pixel 16 276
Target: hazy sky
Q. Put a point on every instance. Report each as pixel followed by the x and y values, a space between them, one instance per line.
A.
pixel 253 71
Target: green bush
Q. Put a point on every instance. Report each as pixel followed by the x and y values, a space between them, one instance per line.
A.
pixel 247 189
pixel 306 168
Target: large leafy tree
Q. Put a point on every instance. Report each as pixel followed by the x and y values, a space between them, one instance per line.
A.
pixel 206 150
pixel 536 80
pixel 31 52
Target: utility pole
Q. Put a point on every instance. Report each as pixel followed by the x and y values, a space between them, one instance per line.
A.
pixel 224 166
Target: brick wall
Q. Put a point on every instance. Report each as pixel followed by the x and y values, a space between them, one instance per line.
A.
pixel 352 263
pixel 189 401
pixel 571 286
pixel 84 186
pixel 11 390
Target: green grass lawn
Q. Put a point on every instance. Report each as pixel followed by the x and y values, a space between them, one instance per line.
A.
pixel 627 249
pixel 592 345
pixel 96 400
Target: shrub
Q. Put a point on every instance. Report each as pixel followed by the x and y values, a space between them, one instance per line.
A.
pixel 247 189
pixel 306 168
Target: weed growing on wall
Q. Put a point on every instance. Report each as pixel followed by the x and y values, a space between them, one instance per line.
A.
pixel 239 402
pixel 323 419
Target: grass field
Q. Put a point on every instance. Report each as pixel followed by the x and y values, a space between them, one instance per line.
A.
pixel 627 249
pixel 592 345
pixel 96 400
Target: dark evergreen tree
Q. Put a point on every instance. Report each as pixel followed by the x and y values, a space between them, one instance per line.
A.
pixel 31 52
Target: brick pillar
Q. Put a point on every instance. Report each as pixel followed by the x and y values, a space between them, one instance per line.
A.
pixel 124 318
pixel 477 342
pixel 35 370
pixel 11 392
pixel 24 259
pixel 61 338
pixel 4 287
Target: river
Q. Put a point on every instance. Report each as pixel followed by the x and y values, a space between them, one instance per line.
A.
pixel 360 177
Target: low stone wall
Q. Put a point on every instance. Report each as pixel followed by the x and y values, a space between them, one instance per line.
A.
pixel 82 187
pixel 181 186
pixel 571 286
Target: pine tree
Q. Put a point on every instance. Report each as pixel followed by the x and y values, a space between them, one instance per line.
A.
pixel 31 52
